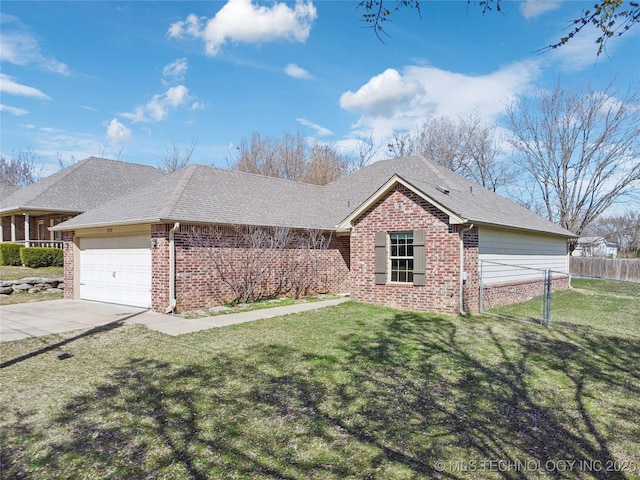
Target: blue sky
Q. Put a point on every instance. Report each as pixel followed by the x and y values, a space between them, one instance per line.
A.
pixel 130 79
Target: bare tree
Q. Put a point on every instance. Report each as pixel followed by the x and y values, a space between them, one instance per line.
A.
pixel 174 159
pixel 622 229
pixel 481 158
pixel 20 170
pixel 289 157
pixel 367 150
pixel 255 155
pixel 325 165
pixel 580 148
pixel 610 17
pixel 400 144
pixel 465 145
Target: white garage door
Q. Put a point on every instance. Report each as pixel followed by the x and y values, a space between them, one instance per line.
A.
pixel 116 270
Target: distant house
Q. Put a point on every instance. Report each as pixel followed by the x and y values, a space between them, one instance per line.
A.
pixel 595 247
pixel 27 213
pixel 405 233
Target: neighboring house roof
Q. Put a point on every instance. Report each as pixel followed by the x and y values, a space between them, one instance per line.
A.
pixel 595 241
pixel 81 186
pixel 6 190
pixel 590 240
pixel 201 194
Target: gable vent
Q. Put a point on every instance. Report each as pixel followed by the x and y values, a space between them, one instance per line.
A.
pixel 442 189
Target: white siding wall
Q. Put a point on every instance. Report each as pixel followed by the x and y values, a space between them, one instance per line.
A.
pixel 522 250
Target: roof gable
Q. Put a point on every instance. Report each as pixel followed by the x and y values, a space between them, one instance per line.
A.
pixel 346 223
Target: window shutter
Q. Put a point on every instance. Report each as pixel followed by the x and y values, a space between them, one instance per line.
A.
pixel 419 261
pixel 381 258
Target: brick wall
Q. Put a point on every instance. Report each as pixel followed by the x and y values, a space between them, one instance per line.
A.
pixel 471 266
pixel 67 238
pixel 160 268
pixel 198 282
pixel 499 295
pixel 402 210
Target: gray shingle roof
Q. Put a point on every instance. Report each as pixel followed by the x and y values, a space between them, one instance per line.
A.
pixel 465 198
pixel 201 194
pixel 6 190
pixel 82 186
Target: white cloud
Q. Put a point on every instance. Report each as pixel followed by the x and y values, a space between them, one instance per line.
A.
pixel 247 22
pixel 403 100
pixel 158 108
pixel 295 71
pixel 176 70
pixel 383 93
pixel 18 112
pixel 7 85
pixel 320 130
pixel 117 132
pixel 20 47
pixel 534 8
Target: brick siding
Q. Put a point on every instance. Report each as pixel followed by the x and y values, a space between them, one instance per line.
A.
pixel 403 210
pixel 499 295
pixel 198 283
pixel 68 256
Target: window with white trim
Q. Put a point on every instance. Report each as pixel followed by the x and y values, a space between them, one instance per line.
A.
pixel 401 257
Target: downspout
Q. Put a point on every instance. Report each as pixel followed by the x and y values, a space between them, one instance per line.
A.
pixel 463 274
pixel 172 269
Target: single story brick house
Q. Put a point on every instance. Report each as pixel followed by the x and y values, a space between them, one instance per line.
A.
pixel 27 213
pixel 405 233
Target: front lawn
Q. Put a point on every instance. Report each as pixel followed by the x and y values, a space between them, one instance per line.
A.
pixel 16 273
pixel 353 391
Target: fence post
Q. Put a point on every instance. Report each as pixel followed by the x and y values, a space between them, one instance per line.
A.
pixel 547 297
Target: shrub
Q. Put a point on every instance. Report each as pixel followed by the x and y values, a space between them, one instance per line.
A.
pixel 10 254
pixel 35 257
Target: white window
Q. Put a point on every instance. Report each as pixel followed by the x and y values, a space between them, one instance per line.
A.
pixel 401 257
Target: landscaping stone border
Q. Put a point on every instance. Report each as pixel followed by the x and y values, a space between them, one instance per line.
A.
pixel 32 285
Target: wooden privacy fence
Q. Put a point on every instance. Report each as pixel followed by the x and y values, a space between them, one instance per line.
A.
pixel 627 269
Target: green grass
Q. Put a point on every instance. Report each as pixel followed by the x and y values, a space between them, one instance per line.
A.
pixel 24 297
pixel 353 391
pixel 16 273
pixel 234 307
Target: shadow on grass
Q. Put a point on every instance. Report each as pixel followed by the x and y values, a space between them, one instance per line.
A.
pixel 88 333
pixel 389 402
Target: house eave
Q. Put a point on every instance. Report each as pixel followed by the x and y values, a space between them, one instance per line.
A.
pixel 65 228
pixel 480 223
pixel 18 210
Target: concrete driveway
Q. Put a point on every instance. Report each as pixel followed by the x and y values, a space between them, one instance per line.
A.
pixel 37 319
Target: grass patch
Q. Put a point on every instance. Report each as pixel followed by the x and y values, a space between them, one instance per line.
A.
pixel 234 307
pixel 24 297
pixel 353 391
pixel 16 273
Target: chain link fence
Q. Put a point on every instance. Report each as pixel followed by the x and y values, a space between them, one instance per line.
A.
pixel 517 292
